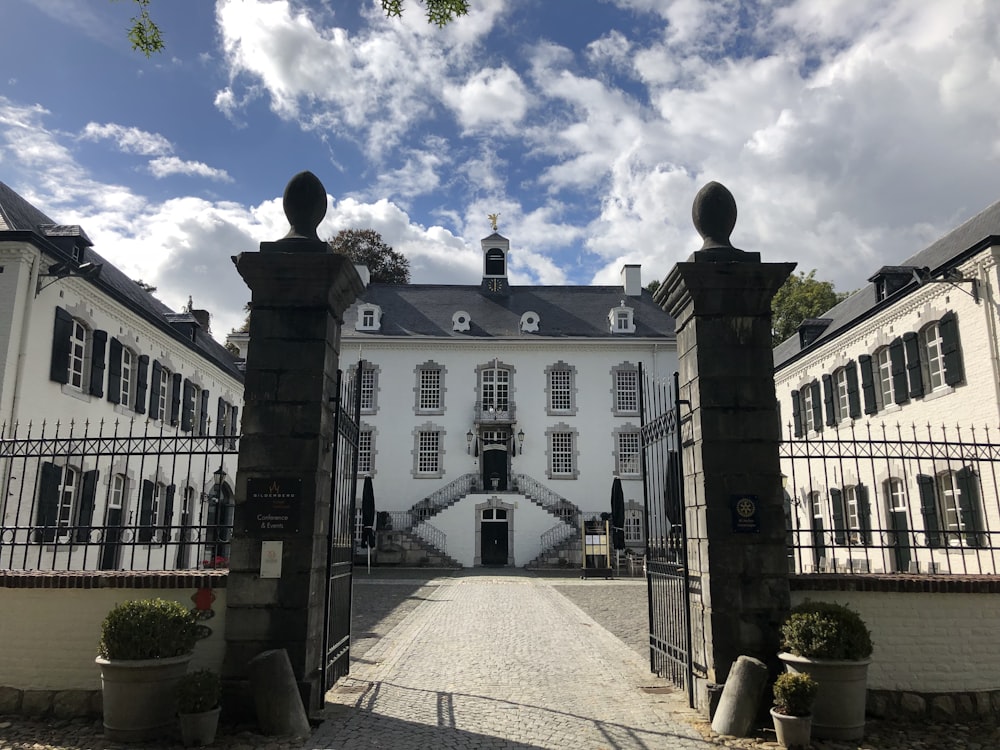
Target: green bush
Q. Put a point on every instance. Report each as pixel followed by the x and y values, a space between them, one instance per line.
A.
pixel 147 629
pixel 198 692
pixel 794 694
pixel 824 630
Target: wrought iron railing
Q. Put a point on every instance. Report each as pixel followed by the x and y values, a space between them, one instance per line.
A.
pixel 125 495
pixel 552 502
pixel 444 497
pixel 556 535
pixel 432 535
pixel 493 414
pixel 874 498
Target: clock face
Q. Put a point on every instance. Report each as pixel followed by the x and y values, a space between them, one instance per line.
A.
pixel 494 285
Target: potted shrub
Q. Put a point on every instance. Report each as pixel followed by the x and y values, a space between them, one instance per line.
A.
pixel 198 707
pixel 794 694
pixel 144 649
pixel 831 643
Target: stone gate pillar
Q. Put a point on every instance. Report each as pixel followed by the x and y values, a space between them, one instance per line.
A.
pixel 721 301
pixel 300 291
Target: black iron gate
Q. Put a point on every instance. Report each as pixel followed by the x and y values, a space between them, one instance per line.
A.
pixel 667 573
pixel 340 535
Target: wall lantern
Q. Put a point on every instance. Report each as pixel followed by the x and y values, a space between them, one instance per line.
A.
pixel 468 441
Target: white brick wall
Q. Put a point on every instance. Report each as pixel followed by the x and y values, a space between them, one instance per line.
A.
pixel 50 636
pixel 926 643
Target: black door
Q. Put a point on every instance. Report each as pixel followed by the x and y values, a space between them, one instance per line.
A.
pixel 111 544
pixel 900 540
pixel 495 468
pixel 819 547
pixel 494 539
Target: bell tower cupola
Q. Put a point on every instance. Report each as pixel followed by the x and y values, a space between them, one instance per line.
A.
pixel 496 248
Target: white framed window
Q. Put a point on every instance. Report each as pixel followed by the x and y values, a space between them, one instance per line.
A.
pixel 809 408
pixel 156 504
pixel 621 319
pixel 815 502
pixel 560 390
pixel 895 493
pixel 369 389
pixel 633 525
pixel 842 403
pixel 562 453
pixel 78 355
pixel 127 377
pixel 365 451
pixel 931 345
pixel 116 497
pixel 369 317
pixel 494 389
pixel 197 419
pixel 162 400
pixel 429 452
pixel 67 498
pixel 853 512
pixel 883 368
pixel 949 496
pixel 429 389
pixel 628 453
pixel 626 390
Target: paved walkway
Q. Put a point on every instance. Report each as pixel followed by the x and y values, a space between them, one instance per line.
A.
pixel 505 661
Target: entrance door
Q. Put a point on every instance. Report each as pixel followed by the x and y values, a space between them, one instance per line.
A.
pixel 900 536
pixel 494 537
pixel 494 462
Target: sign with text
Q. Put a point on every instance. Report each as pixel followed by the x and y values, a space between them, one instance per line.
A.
pixel 744 510
pixel 273 506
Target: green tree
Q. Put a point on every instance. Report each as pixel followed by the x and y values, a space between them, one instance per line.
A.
pixel 146 37
pixel 652 286
pixel 801 297
pixel 367 246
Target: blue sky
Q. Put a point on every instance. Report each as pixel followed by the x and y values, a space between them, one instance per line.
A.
pixel 851 133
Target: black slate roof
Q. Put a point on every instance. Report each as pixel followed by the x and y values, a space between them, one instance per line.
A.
pixel 20 217
pixel 980 231
pixel 426 310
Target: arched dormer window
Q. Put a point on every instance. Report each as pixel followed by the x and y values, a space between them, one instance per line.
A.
pixel 621 319
pixel 496 262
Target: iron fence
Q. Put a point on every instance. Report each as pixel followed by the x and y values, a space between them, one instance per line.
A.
pixel 875 498
pixel 124 495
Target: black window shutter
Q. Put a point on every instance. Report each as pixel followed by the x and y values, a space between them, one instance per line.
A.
pixel 864 514
pixel 221 412
pixel 868 384
pixel 61 332
pixel 234 424
pixel 950 350
pixel 98 346
pixel 114 371
pixel 175 398
pixel 796 414
pixel 168 512
pixel 929 511
pixel 831 412
pixel 187 406
pixel 898 361
pixel 140 384
pixel 968 505
pixel 837 510
pixel 146 519
pixel 48 503
pixel 911 343
pixel 817 406
pixel 853 396
pixel 85 514
pixel 203 414
pixel 156 409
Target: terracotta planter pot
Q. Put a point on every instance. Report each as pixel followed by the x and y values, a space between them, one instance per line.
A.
pixel 793 732
pixel 839 710
pixel 139 699
pixel 199 729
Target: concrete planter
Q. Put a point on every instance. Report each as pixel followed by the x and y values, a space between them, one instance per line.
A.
pixel 139 696
pixel 199 729
pixel 793 731
pixel 839 710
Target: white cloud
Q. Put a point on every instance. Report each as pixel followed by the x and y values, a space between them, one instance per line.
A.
pixel 130 140
pixel 164 166
pixel 491 99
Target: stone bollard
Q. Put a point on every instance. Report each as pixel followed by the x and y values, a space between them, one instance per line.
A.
pixel 276 695
pixel 741 696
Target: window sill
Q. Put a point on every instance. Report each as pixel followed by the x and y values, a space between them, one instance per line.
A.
pixel 76 393
pixel 938 392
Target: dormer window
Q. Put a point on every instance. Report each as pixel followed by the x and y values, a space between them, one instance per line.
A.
pixel 496 262
pixel 369 318
pixel 621 319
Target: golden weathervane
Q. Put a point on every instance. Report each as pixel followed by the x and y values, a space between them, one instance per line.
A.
pixel 493 220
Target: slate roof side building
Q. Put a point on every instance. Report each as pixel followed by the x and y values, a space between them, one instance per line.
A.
pixel 971 237
pixel 564 312
pixel 27 222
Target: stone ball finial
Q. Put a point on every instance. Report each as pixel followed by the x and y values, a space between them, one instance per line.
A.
pixel 304 202
pixel 714 215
